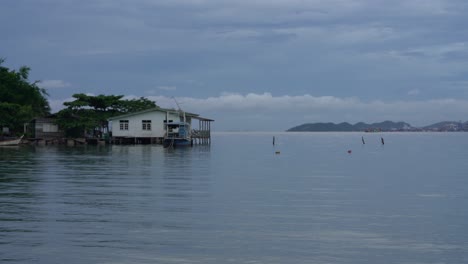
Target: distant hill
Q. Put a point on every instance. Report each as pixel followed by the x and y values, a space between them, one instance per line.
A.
pixel 447 126
pixel 382 126
pixel 347 127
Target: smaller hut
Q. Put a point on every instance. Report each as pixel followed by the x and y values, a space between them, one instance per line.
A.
pixel 44 128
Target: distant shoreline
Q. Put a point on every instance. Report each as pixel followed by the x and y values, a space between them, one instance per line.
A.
pixel 386 126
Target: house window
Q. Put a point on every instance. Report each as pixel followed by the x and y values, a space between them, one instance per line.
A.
pixel 123 124
pixel 146 124
pixel 49 128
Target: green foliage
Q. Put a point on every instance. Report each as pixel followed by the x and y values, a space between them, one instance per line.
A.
pixel 100 102
pixel 88 113
pixel 20 101
pixel 135 105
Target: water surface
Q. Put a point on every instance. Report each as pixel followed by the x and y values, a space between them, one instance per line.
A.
pixel 236 201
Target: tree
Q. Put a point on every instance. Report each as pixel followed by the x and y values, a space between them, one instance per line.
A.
pixel 89 113
pixel 135 105
pixel 20 100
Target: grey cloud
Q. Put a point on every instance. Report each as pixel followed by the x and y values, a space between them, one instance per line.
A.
pixel 366 49
pixel 53 84
pixel 294 109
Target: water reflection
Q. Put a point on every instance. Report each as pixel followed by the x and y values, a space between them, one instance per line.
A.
pixel 20 198
pixel 236 202
pixel 184 184
pixel 59 198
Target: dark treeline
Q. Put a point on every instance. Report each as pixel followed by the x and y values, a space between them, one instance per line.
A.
pixel 88 113
pixel 22 100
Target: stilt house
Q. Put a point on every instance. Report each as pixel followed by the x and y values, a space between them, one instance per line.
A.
pixel 149 126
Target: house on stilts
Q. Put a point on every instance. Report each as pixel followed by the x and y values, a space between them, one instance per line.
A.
pixel 153 125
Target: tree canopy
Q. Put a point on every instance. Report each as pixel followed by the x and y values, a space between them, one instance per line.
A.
pixel 89 112
pixel 20 100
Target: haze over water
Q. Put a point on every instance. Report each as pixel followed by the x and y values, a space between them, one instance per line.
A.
pixel 236 201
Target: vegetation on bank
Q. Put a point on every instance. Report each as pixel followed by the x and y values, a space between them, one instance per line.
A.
pixel 89 114
pixel 22 100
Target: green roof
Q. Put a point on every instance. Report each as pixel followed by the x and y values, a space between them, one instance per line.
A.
pixel 156 109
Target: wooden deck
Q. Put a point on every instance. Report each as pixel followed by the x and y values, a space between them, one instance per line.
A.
pixel 202 135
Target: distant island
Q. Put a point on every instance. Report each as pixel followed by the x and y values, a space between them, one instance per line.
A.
pixel 386 126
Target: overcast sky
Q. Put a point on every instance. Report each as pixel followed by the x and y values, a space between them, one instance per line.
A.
pixel 251 64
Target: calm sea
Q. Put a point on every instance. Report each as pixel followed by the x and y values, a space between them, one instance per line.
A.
pixel 237 201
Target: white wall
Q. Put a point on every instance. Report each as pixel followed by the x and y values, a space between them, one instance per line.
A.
pixel 135 128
